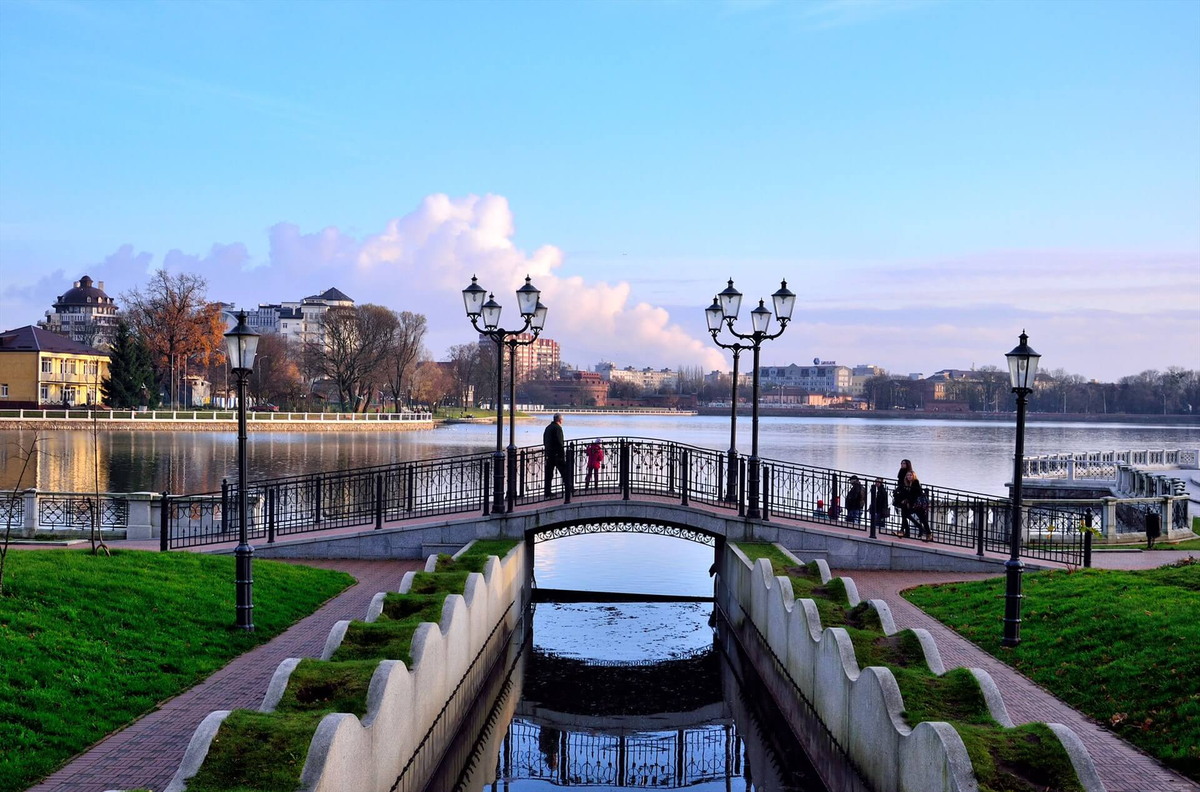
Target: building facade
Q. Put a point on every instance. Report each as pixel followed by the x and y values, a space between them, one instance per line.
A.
pixel 859 376
pixel 539 360
pixel 821 377
pixel 303 321
pixel 39 368
pixel 84 314
pixel 645 379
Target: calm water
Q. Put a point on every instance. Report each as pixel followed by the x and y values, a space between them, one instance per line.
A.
pixel 962 454
pixel 628 695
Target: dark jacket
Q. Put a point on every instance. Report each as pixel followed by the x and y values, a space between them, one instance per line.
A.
pixel 854 499
pixel 552 439
pixel 879 499
pixel 900 477
pixel 908 495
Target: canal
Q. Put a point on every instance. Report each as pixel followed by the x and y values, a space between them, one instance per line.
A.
pixel 968 455
pixel 612 695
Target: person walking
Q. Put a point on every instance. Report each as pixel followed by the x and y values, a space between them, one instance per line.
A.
pixel 905 468
pixel 854 500
pixel 595 460
pixel 914 504
pixel 556 454
pixel 879 505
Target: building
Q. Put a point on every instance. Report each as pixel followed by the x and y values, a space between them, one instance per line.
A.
pixel 84 314
pixel 821 377
pixel 302 322
pixel 538 360
pixel 645 379
pixel 859 376
pixel 715 377
pixel 581 389
pixel 39 368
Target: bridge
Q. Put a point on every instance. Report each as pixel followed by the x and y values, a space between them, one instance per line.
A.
pixel 408 509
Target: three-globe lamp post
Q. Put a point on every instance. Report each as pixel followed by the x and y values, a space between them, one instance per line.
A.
pixel 241 344
pixel 1022 372
pixel 729 303
pixel 533 314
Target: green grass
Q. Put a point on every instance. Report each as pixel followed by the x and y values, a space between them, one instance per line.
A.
pixel 1185 544
pixel 1025 759
pixel 265 752
pixel 1123 647
pixel 88 644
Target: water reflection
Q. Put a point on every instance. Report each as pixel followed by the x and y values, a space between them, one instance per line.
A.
pixel 647 708
pixel 963 454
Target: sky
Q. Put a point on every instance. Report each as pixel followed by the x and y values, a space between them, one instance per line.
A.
pixel 930 177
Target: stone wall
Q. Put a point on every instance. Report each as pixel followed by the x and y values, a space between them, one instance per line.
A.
pixel 863 708
pixel 352 755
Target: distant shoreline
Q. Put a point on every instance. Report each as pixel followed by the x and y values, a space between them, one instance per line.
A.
pixel 919 415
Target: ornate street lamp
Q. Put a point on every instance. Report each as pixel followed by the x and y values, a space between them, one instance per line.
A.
pixel 241 344
pixel 715 315
pixel 1022 371
pixel 729 302
pixel 534 315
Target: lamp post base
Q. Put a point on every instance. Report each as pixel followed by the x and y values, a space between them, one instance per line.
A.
pixel 753 512
pixel 731 477
pixel 498 482
pixel 1014 568
pixel 512 477
pixel 244 581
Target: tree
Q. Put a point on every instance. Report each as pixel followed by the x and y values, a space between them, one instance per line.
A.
pixel 276 377
pixel 464 359
pixel 176 322
pixel 130 380
pixel 352 354
pixel 404 350
pixel 432 383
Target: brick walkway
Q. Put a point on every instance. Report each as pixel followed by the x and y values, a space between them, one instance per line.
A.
pixel 1122 767
pixel 147 753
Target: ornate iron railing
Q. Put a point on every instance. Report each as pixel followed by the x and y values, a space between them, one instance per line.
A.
pixel 77 512
pixel 633 468
pixel 1103 465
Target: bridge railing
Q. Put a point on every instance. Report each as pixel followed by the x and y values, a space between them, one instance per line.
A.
pixel 633 468
pixel 1104 465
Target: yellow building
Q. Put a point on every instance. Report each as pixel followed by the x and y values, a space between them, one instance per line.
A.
pixel 41 369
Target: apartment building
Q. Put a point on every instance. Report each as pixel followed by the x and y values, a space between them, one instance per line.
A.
pixel 85 314
pixel 39 368
pixel 300 321
pixel 821 377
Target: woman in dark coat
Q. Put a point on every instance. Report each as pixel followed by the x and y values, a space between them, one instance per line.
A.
pixel 913 503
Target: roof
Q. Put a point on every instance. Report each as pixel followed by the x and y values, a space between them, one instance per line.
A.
pixel 330 295
pixel 79 295
pixel 35 339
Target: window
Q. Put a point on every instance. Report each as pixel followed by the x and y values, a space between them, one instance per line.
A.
pixel 47 365
pixel 4 390
pixel 45 393
pixel 70 366
pixel 69 395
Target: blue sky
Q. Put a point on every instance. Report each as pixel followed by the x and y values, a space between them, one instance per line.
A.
pixel 930 176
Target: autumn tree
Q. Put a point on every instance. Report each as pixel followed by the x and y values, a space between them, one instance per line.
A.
pixel 464 360
pixel 276 377
pixel 432 383
pixel 176 322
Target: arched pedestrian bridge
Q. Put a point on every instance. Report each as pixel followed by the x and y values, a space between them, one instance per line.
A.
pixel 651 486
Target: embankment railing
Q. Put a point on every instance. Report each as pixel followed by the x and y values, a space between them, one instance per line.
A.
pixel 633 468
pixel 202 415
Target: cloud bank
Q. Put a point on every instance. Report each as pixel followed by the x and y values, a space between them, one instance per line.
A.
pixel 420 262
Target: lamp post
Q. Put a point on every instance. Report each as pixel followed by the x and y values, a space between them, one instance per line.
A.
pixel 534 315
pixel 716 318
pixel 1022 370
pixel 536 324
pixel 730 301
pixel 241 344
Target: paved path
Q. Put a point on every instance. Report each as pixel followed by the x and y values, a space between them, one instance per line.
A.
pixel 1122 767
pixel 147 753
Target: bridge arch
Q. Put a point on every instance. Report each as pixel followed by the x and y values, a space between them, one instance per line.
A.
pixel 627 525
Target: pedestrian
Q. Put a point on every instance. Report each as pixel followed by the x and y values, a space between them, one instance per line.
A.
pixel 835 508
pixel 854 500
pixel 595 460
pixel 1153 529
pixel 820 512
pixel 905 468
pixel 879 505
pixel 914 503
pixel 556 455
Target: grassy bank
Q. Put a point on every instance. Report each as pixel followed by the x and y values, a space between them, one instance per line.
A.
pixel 1123 647
pixel 1028 758
pixel 88 644
pixel 265 752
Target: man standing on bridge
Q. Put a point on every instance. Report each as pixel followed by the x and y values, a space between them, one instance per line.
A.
pixel 556 456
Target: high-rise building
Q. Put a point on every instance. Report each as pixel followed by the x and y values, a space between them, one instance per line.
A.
pixel 821 377
pixel 541 359
pixel 84 314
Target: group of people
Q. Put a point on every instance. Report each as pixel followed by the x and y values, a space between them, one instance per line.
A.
pixel 908 496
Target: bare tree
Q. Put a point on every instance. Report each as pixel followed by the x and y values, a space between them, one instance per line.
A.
pixel 176 322
pixel 27 453
pixel 464 360
pixel 404 350
pixel 276 377
pixel 355 346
